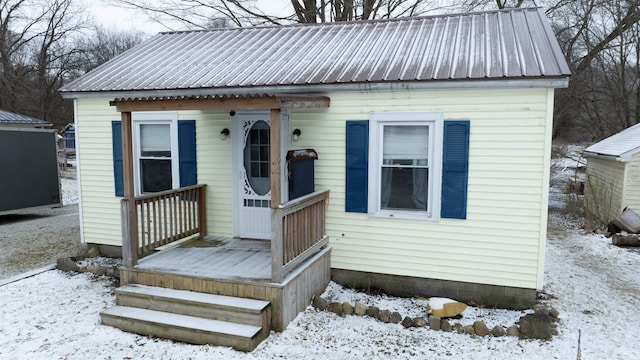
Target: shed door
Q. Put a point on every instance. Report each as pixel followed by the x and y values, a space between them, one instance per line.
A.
pixel 252 180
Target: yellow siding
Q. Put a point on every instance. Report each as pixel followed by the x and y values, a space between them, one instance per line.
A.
pixel 603 188
pixel 500 243
pixel 632 184
pixel 100 206
pixel 502 240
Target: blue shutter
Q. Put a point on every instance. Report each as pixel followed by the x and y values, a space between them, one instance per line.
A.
pixel 187 152
pixel 116 141
pixel 455 169
pixel 357 159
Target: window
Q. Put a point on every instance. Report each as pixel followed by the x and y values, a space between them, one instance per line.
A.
pixel 188 174
pixel 446 175
pixel 405 165
pixel 155 152
pixel 256 158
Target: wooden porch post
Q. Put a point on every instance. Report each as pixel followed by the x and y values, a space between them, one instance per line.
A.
pixel 129 229
pixel 277 255
pixel 202 211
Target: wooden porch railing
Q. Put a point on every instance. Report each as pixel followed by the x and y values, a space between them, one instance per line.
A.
pixel 298 232
pixel 161 218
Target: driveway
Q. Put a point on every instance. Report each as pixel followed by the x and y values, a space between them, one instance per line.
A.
pixel 37 238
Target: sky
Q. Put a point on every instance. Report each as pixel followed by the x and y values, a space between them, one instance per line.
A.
pixel 109 15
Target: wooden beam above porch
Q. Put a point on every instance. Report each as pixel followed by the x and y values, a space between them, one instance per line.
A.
pixel 174 103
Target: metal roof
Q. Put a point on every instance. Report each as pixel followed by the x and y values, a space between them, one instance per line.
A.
pixel 7 117
pixel 623 144
pixel 503 44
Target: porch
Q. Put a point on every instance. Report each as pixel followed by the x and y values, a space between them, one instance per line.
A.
pixel 179 283
pixel 160 279
pixel 235 268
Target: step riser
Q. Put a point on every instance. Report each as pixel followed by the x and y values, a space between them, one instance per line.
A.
pixel 187 335
pixel 203 310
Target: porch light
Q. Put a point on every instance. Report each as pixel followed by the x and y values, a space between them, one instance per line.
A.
pixel 296 133
pixel 224 134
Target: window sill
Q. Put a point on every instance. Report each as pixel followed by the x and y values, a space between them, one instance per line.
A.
pixel 403 215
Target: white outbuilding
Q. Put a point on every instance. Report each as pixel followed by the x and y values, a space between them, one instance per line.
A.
pixel 613 175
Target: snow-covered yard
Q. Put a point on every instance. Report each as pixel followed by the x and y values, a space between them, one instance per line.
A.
pixel 594 285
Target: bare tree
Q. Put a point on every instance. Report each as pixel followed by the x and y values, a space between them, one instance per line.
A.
pixel 101 45
pixel 17 30
pixel 175 14
pixel 53 53
pixel 600 42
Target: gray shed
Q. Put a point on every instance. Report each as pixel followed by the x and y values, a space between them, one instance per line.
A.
pixel 613 175
pixel 13 120
pixel 28 161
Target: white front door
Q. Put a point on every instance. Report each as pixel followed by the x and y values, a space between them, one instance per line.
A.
pixel 252 180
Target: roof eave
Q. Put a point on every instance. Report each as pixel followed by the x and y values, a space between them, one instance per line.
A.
pixel 541 82
pixel 623 158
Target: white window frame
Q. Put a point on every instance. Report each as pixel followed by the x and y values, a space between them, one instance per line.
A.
pixel 377 120
pixel 143 118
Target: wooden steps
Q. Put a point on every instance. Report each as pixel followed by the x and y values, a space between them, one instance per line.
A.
pixel 191 317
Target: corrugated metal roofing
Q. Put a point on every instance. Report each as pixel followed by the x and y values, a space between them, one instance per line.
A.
pixel 624 143
pixel 505 44
pixel 7 117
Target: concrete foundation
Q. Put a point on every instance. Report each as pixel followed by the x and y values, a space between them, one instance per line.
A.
pixel 405 286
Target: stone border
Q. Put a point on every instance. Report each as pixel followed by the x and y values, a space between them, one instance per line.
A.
pixel 88 262
pixel 539 325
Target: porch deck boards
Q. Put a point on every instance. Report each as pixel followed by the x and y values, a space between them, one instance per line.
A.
pixel 210 270
pixel 219 258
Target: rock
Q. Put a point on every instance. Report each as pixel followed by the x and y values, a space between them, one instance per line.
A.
pixel 360 309
pixel 444 307
pixel 497 331
pixel 434 322
pixel 468 329
pixel 320 303
pixel 96 269
pixel 373 311
pixel 513 330
pixel 480 328
pixel 395 318
pixel 457 327
pixel 92 251
pixel 384 316
pixel 540 309
pixel 335 307
pixel 445 325
pixel 110 271
pixel 536 326
pixel 347 308
pixel 407 322
pixel 66 264
pixel 554 313
pixel 419 322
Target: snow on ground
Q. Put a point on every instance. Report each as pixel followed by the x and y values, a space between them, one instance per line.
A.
pixel 69 187
pixel 593 284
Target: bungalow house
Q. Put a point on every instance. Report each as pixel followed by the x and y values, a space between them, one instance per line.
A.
pixel 613 175
pixel 432 135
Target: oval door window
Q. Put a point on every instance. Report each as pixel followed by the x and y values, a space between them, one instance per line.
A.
pixel 256 158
